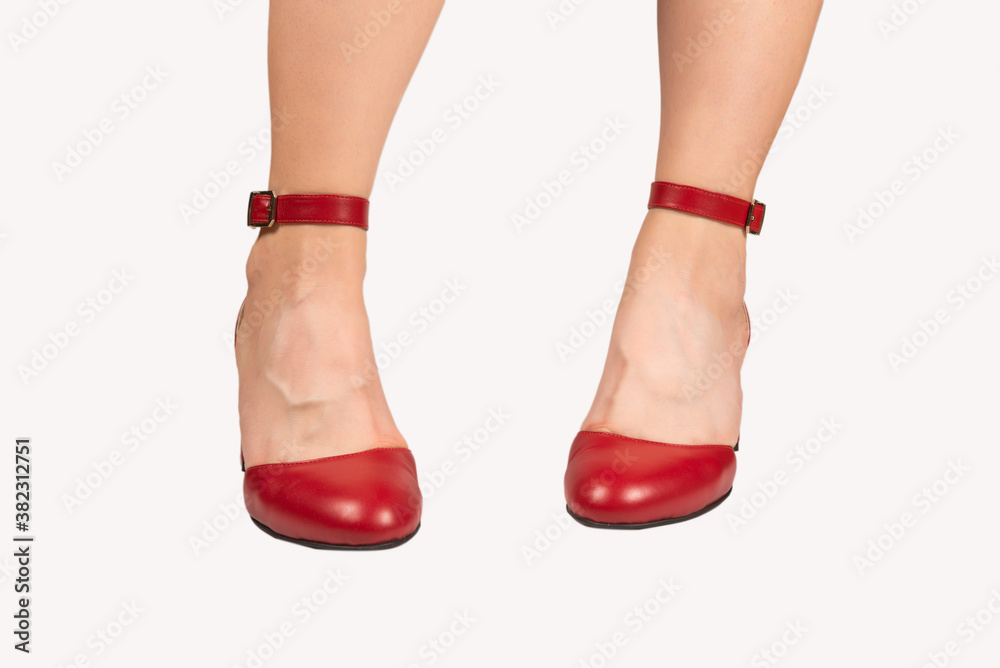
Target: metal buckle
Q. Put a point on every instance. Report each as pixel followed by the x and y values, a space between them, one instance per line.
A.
pixel 272 209
pixel 751 218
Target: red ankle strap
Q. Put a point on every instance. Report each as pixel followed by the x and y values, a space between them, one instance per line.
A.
pixel 716 206
pixel 266 209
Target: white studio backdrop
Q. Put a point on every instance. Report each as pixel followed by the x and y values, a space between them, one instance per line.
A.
pixel 862 528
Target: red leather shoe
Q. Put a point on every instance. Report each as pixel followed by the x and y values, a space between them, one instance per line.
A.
pixel 617 482
pixel 363 501
pixel 366 500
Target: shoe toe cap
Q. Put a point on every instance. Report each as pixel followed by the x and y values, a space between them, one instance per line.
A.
pixel 617 480
pixel 365 498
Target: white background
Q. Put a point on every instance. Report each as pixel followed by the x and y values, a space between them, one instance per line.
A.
pixel 167 335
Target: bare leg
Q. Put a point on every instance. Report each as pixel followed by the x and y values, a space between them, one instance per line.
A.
pixel 308 381
pixel 682 311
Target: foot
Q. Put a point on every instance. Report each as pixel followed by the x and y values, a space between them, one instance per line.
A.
pixel 680 335
pixel 309 387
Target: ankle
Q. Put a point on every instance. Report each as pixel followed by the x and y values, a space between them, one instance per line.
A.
pixel 683 256
pixel 692 239
pixel 293 259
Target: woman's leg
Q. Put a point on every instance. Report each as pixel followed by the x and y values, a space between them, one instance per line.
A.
pixel 673 368
pixel 308 381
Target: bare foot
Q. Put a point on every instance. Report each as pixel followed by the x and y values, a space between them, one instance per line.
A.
pixel 309 387
pixel 680 335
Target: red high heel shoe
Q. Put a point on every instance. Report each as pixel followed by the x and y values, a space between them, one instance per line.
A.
pixel 617 482
pixel 367 500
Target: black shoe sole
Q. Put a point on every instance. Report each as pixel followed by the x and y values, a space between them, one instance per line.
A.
pixel 330 546
pixel 648 525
